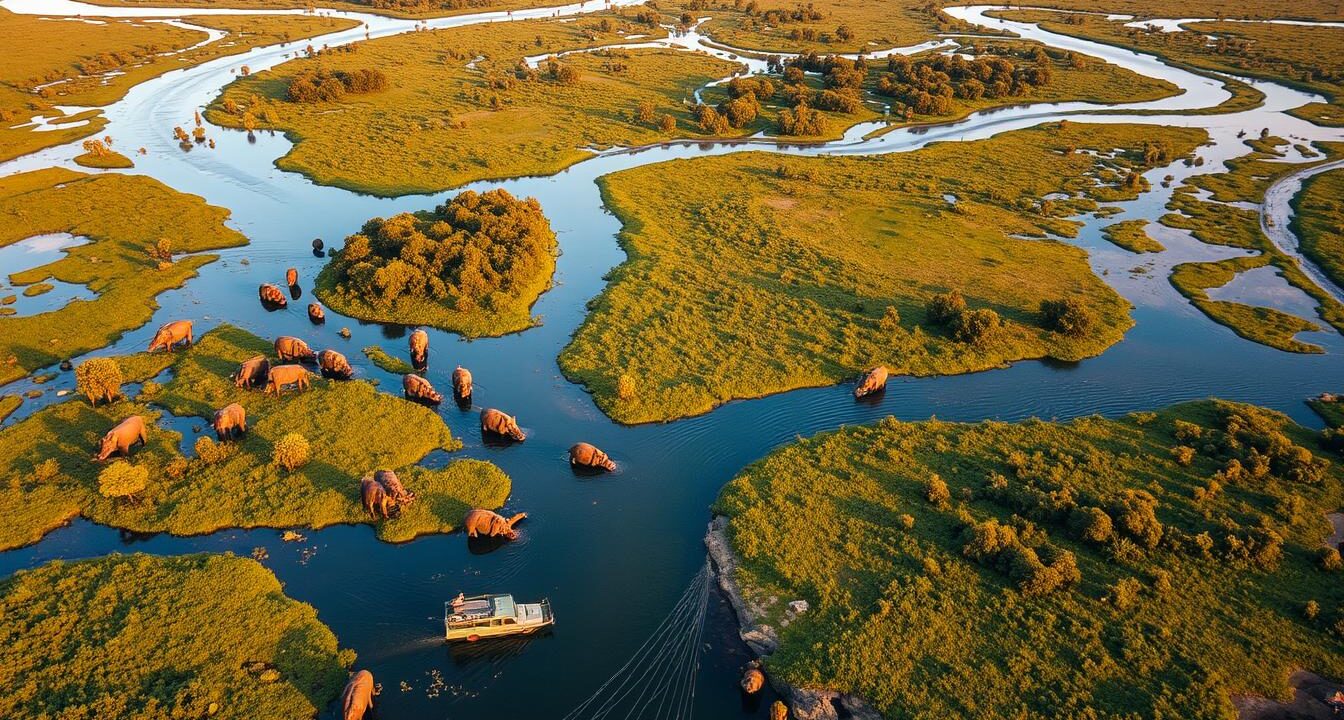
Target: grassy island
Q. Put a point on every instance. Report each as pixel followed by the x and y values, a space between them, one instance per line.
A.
pixel 1154 565
pixel 750 274
pixel 145 636
pixel 1131 235
pixel 473 265
pixel 1318 222
pixel 351 428
pixel 124 217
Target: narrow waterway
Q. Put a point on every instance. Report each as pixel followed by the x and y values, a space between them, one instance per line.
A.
pixel 613 553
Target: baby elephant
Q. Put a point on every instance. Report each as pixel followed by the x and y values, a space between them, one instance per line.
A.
pixel 872 381
pixel 419 342
pixel 316 314
pixel 292 277
pixel 334 365
pixel 375 498
pixel 486 523
pixel 496 422
pixel 121 438
pixel 292 348
pixel 418 388
pixel 393 487
pixel 586 456
pixel 357 697
pixel 271 296
pixel 462 383
pixel 252 373
pixel 171 334
pixel 282 375
pixel 230 422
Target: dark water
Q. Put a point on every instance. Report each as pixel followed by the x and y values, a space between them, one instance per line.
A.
pixel 613 553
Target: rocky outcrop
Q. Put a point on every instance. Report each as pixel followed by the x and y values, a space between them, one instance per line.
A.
pixel 804 703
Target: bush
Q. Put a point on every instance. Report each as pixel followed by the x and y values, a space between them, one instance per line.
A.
pixel 1125 593
pixel 936 492
pixel 291 451
pixel 1311 610
pixel 1329 560
pixel 891 320
pixel 46 470
pixel 211 452
pixel 122 480
pixel 1091 524
pixel 943 309
pixel 99 379
pixel 975 326
pixel 801 120
pixel 1183 454
pixel 625 387
pixel 1068 316
pixel 322 85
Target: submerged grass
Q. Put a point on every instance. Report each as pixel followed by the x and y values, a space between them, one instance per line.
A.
pixel 189 636
pixel 352 429
pixel 750 274
pixel 1196 575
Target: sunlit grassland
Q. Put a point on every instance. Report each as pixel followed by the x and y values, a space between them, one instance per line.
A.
pixel 76 60
pixel 107 161
pixel 1318 222
pixel 352 429
pixel 1131 235
pixel 902 615
pixel 144 636
pixel 427 9
pixel 122 215
pixel 750 274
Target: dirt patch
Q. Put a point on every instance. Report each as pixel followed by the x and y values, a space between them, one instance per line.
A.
pixel 780 203
pixel 1337 529
pixel 1309 693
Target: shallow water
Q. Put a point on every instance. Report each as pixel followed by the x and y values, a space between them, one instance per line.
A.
pixel 613 553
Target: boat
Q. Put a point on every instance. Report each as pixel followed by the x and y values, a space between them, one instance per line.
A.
pixel 496 615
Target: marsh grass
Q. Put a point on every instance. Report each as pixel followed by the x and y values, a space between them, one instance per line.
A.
pixel 750 274
pixel 843 520
pixel 108 161
pixel 189 636
pixel 378 356
pixel 1318 222
pixel 352 430
pixel 1130 235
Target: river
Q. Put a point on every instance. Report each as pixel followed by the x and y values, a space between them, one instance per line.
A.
pixel 613 553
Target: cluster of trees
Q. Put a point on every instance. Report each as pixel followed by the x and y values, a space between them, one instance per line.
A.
pixel 323 85
pixel 973 327
pixel 1068 316
pixel 470 249
pixel 1036 570
pixel 927 86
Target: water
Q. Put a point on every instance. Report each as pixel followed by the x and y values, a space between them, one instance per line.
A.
pixel 614 552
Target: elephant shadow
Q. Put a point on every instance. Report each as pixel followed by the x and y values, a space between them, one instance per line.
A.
pixel 272 306
pixel 873 398
pixel 463 403
pixel 482 545
pixel 585 471
pixel 492 439
pixel 295 292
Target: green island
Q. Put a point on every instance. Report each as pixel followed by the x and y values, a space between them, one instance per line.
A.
pixel 1215 221
pixel 459 105
pixel 474 265
pixel 122 636
pixel 751 274
pixel 348 428
pixel 1156 565
pixel 1318 222
pixel 125 217
pixel 1131 235
pixel 96 63
pixel 380 357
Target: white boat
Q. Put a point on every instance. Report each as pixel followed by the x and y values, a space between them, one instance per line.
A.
pixel 486 616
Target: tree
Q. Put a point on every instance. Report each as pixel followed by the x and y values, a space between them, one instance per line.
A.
pixel 801 120
pixel 98 379
pixel 667 123
pixel 291 451
pixel 975 326
pixel 644 112
pixel 944 308
pixel 122 480
pixel 711 122
pixel 1068 316
pixel 96 148
pixel 844 33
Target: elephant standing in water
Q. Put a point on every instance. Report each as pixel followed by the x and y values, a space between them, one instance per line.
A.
pixel 461 384
pixel 316 314
pixel 498 423
pixel 292 277
pixel 487 523
pixel 357 697
pixel 585 455
pixel 230 422
pixel 253 372
pixel 752 680
pixel 271 296
pixel 375 498
pixel 419 342
pixel 292 348
pixel 282 375
pixel 418 388
pixel 334 365
pixel 873 381
pixel 121 438
pixel 171 334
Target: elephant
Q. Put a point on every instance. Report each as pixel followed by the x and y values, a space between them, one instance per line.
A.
pixel 585 455
pixel 462 383
pixel 121 438
pixel 487 523
pixel 375 498
pixel 171 334
pixel 281 375
pixel 291 348
pixel 334 365
pixel 316 314
pixel 752 681
pixel 271 296
pixel 418 388
pixel 494 421
pixel 779 711
pixel 292 277
pixel 357 697
pixel 872 381
pixel 252 373
pixel 318 244
pixel 392 485
pixel 230 422
pixel 419 342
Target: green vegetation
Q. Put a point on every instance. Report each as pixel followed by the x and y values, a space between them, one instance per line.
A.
pixel 120 214
pixel 98 155
pixel 394 365
pixel 1150 566
pixel 8 404
pixel 1318 222
pixel 350 427
pixel 95 64
pixel 99 379
pixel 750 273
pixel 146 636
pixel 474 265
pixel 1131 236
pixel 1329 407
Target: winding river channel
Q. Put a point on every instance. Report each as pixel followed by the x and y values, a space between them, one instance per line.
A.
pixel 614 553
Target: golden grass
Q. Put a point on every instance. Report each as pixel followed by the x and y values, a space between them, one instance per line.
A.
pixel 1318 222
pixel 1131 236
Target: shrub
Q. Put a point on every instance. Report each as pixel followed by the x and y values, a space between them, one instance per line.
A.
pixel 99 379
pixel 122 480
pixel 1091 524
pixel 801 120
pixel 667 123
pixel 46 470
pixel 1329 560
pixel 1162 582
pixel 322 85
pixel 625 387
pixel 209 451
pixel 1188 432
pixel 176 468
pixel 1068 316
pixel 891 320
pixel 975 326
pixel 936 492
pixel 1311 610
pixel 1183 454
pixel 644 112
pixel 906 520
pixel 943 309
pixel 1125 593
pixel 291 451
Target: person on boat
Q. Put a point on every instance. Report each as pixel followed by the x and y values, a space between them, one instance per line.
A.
pixel 458 601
